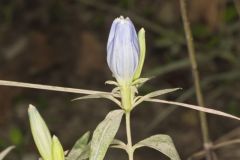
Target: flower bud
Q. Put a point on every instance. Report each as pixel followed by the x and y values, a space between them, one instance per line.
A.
pixel 40 132
pixel 123 49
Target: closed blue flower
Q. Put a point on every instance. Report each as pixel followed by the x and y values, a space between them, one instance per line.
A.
pixel 123 50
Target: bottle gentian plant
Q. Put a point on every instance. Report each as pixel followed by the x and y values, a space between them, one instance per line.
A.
pixel 125 58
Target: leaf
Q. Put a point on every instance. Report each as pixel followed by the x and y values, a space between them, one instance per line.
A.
pixel 110 82
pixel 57 149
pixel 104 134
pixel 115 91
pixel 162 143
pixel 48 87
pixel 154 94
pixel 40 132
pixel 100 95
pixel 5 152
pixel 83 155
pixel 118 144
pixel 79 147
pixel 82 141
pixel 140 81
pixel 195 107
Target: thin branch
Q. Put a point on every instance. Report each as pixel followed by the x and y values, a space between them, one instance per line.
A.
pixel 195 107
pixel 221 142
pixel 233 134
pixel 237 5
pixel 226 76
pixel 48 87
pixel 202 153
pixel 192 56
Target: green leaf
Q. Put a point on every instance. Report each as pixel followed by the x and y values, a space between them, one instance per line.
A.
pixel 140 81
pixel 195 107
pixel 110 82
pixel 118 144
pixel 85 154
pixel 57 149
pixel 100 95
pixel 104 134
pixel 116 91
pixel 83 141
pixel 41 133
pixel 5 152
pixel 154 94
pixel 162 143
pixel 79 147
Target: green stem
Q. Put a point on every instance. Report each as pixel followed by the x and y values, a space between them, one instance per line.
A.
pixel 129 137
pixel 126 96
pixel 127 104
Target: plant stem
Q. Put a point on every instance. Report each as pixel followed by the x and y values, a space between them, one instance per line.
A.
pixel 129 136
pixel 192 56
pixel 126 96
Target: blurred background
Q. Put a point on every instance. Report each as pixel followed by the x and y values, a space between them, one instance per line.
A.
pixel 63 43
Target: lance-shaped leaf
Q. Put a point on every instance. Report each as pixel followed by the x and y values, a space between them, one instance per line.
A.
pixel 195 107
pixel 154 94
pixel 100 95
pixel 140 81
pixel 79 147
pixel 41 133
pixel 57 150
pixel 162 143
pixel 116 143
pixel 48 87
pixel 5 152
pixel 85 154
pixel 104 134
pixel 110 82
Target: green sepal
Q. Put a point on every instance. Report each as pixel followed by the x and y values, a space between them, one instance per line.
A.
pixel 142 45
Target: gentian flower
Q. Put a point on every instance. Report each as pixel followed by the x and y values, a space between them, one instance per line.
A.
pixel 123 50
